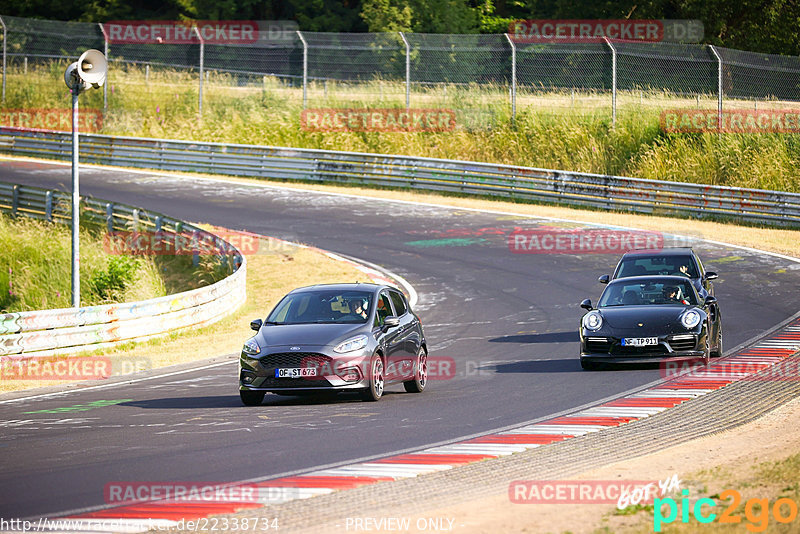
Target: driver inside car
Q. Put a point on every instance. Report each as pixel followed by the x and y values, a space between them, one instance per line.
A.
pixel 359 307
pixel 672 295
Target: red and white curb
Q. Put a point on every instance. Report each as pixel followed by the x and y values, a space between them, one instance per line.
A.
pixel 766 353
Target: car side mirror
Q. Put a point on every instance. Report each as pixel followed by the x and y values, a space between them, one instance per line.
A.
pixel 256 324
pixel 711 299
pixel 586 304
pixel 711 275
pixel 391 322
pixel 603 279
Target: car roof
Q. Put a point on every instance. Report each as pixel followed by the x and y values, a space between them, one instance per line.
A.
pixel 669 251
pixel 356 286
pixel 650 278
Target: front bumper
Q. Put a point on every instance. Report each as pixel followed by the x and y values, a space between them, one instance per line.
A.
pixel 609 349
pixel 334 371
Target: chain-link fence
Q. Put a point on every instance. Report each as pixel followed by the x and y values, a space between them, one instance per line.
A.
pixel 484 78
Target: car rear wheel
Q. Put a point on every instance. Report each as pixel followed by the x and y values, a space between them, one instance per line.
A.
pixel 417 385
pixel 251 398
pixel 376 380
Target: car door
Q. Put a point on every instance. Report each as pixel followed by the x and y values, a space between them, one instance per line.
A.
pixel 409 338
pixel 390 336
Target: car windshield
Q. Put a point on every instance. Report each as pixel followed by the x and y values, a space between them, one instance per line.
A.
pixel 657 265
pixel 323 306
pixel 650 292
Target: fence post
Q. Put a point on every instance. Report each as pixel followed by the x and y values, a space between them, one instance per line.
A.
pixel 48 206
pixel 5 40
pixel 202 55
pixel 513 77
pixel 105 85
pixel 613 81
pixel 305 68
pixel 408 70
pixel 719 87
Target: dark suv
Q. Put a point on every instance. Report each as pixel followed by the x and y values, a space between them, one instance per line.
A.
pixel 678 261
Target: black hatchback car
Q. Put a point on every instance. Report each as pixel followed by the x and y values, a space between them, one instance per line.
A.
pixel 649 319
pixel 335 337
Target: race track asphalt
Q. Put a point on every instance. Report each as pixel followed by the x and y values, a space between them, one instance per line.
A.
pixel 508 321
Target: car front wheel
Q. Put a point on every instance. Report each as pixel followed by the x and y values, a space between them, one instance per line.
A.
pixel 376 380
pixel 417 385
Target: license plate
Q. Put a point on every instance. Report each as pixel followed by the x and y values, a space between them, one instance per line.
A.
pixel 295 372
pixel 639 341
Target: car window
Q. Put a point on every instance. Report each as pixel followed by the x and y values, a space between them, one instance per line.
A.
pixel 399 302
pixel 646 293
pixel 323 306
pixel 657 265
pixel 701 269
pixel 384 309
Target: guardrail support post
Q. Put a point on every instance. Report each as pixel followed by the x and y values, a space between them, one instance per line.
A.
pixel 305 68
pixel 719 87
pixel 110 217
pixel 202 57
pixel 105 85
pixel 5 40
pixel 14 200
pixel 48 206
pixel 513 77
pixel 408 70
pixel 613 81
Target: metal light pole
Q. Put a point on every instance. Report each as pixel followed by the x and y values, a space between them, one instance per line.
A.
pixel 89 71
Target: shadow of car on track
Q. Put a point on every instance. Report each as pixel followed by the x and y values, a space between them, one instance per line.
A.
pixel 567 365
pixel 548 337
pixel 233 401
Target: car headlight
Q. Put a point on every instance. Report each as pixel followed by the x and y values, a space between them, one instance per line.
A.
pixel 354 343
pixel 690 319
pixel 593 320
pixel 251 347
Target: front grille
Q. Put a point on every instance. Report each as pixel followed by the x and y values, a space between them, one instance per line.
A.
pixel 681 343
pixel 597 344
pixel 295 359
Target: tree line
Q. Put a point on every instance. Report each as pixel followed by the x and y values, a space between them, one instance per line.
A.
pixel 769 26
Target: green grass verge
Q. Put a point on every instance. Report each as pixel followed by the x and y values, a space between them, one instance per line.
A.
pixel 552 130
pixel 36 269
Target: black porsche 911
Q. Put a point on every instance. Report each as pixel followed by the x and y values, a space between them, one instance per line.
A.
pixel 649 319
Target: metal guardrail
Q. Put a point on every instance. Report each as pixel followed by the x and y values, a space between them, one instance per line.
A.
pixel 654 197
pixel 46 332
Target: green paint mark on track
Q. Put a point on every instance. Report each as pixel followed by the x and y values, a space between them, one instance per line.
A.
pixel 452 242
pixel 83 407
